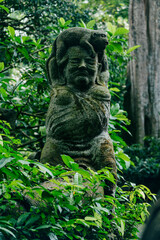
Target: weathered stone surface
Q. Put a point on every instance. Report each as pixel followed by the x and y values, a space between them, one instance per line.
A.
pixel 78 114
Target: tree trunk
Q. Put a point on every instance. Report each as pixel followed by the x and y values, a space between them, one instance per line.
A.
pixel 144 68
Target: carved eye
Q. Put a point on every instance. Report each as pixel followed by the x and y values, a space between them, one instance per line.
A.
pixel 91 61
pixel 74 60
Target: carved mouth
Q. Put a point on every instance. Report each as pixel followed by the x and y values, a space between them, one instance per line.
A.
pixel 81 73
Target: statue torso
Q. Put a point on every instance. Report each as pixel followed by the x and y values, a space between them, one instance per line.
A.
pixel 77 116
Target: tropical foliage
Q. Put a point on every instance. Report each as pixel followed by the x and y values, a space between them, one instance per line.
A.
pixel 44 202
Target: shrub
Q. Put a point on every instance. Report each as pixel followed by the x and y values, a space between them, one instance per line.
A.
pixel 44 202
pixel 146 159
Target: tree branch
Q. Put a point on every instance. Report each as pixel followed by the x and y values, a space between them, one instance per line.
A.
pixel 30 127
pixel 5 69
pixel 39 115
pixel 25 134
pixel 29 142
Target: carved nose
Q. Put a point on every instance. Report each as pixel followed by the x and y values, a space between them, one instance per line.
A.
pixel 82 64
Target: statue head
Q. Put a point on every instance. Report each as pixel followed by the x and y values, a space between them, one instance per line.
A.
pixel 80 68
pixel 77 68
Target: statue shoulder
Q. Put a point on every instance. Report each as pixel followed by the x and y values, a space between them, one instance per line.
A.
pixel 61 95
pixel 100 93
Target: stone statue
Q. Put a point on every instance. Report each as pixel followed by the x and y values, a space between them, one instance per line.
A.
pixel 78 114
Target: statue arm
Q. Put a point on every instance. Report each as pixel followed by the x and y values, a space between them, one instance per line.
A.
pixel 100 93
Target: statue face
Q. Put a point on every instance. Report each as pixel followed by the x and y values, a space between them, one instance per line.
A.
pixel 81 69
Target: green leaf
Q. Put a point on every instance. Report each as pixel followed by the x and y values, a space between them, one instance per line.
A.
pixel 122 222
pixel 1 66
pixel 42 130
pixel 67 160
pixel 52 236
pixel 17 39
pixel 81 221
pixel 18 101
pixel 43 227
pixel 62 21
pixel 114 89
pixel 67 23
pixel 11 31
pixel 117 47
pixel 90 218
pixel 84 173
pixel 46 195
pixel 131 197
pixel 120 31
pixel 123 156
pixel 90 24
pixel 111 28
pixel 4 161
pixel 115 109
pixel 70 162
pixel 82 24
pixel 98 218
pixel 4 229
pixel 25 38
pixel 4 8
pixel 120 59
pixel 7 196
pixel 24 162
pixel 109 34
pixel 133 48
pixel 74 166
pixel 17 183
pixel 32 220
pixel 110 47
pixel 22 219
pixel 117 138
pixel 78 179
pixel 1 140
pixel 109 175
pixel 122 117
pixel 44 169
pixel 143 216
pixel 141 193
pixel 24 51
pixel 3 92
